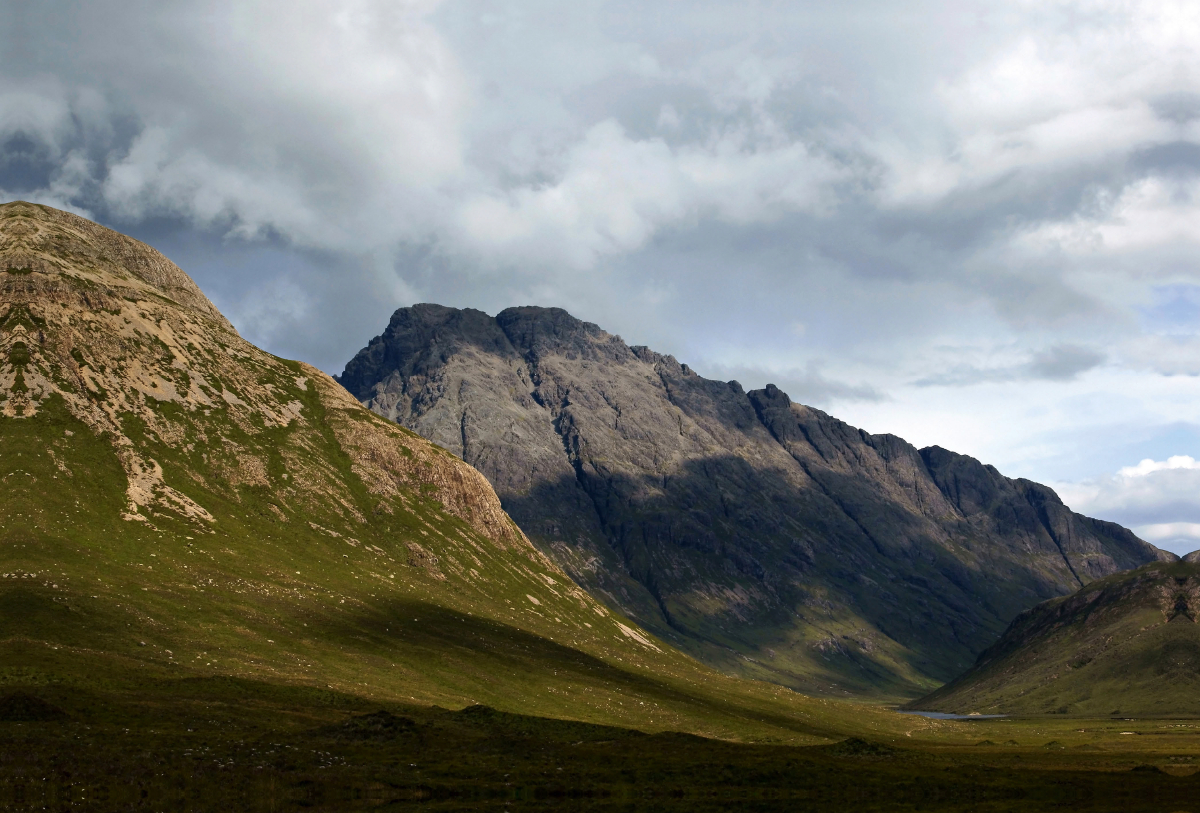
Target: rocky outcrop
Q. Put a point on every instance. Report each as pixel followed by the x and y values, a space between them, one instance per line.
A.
pixel 763 536
pixel 62 246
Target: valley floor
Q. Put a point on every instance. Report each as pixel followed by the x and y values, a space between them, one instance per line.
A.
pixel 201 744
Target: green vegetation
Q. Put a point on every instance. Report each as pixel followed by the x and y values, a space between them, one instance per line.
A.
pixel 181 504
pixel 217 570
pixel 1124 646
pixel 210 743
pixel 18 354
pixel 236 601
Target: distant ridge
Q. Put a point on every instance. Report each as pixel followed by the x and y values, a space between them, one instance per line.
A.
pixel 765 537
pixel 1127 645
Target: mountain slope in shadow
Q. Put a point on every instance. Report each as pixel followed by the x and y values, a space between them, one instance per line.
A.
pixel 766 538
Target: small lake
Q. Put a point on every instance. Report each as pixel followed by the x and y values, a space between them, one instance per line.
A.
pixel 941 715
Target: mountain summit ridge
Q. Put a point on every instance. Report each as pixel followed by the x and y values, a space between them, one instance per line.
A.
pixel 763 536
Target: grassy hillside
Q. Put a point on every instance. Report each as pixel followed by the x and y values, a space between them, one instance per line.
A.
pixel 208 743
pixel 1126 646
pixel 226 585
pixel 180 504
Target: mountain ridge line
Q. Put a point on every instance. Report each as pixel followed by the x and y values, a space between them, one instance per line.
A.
pixel 702 510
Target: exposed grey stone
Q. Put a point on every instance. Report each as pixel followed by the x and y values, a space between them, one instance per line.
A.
pixel 762 536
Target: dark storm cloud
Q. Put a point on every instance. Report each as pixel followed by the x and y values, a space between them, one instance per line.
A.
pixel 532 147
pixel 843 200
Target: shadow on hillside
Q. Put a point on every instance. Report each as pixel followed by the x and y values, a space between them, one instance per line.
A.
pixel 238 745
pixel 828 551
pixel 485 661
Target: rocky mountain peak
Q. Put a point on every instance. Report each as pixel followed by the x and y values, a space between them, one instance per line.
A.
pixel 445 327
pixel 764 536
pixel 775 396
pixel 536 332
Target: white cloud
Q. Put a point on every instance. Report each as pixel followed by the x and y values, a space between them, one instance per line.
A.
pixel 1164 354
pixel 1148 466
pixel 615 193
pixel 468 125
pixel 329 123
pixel 1074 85
pixel 1169 532
pixel 1148 214
pixel 1158 499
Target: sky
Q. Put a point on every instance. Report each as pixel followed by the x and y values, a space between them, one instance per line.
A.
pixel 975 225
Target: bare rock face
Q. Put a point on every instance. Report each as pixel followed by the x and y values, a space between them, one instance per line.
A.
pixel 61 245
pixel 764 537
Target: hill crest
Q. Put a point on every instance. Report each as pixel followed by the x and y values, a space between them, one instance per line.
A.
pixel 53 242
pixel 1128 644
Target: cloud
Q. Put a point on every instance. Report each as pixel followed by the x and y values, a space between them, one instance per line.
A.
pixel 1063 362
pixel 1180 537
pixel 943 194
pixel 1058 363
pixel 615 193
pixel 311 120
pixel 544 140
pixel 1164 355
pixel 1148 466
pixel 812 387
pixel 808 386
pixel 1158 499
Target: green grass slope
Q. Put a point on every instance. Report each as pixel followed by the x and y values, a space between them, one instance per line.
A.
pixel 1127 646
pixel 226 585
pixel 178 504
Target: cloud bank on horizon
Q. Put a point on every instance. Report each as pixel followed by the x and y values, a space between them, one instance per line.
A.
pixel 970 224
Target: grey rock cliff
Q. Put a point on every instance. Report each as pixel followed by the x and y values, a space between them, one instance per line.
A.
pixel 762 536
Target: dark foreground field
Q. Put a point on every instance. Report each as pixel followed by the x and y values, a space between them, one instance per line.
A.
pixel 224 744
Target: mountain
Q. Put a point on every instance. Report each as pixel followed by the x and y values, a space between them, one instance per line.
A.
pixel 1125 645
pixel 179 506
pixel 764 537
